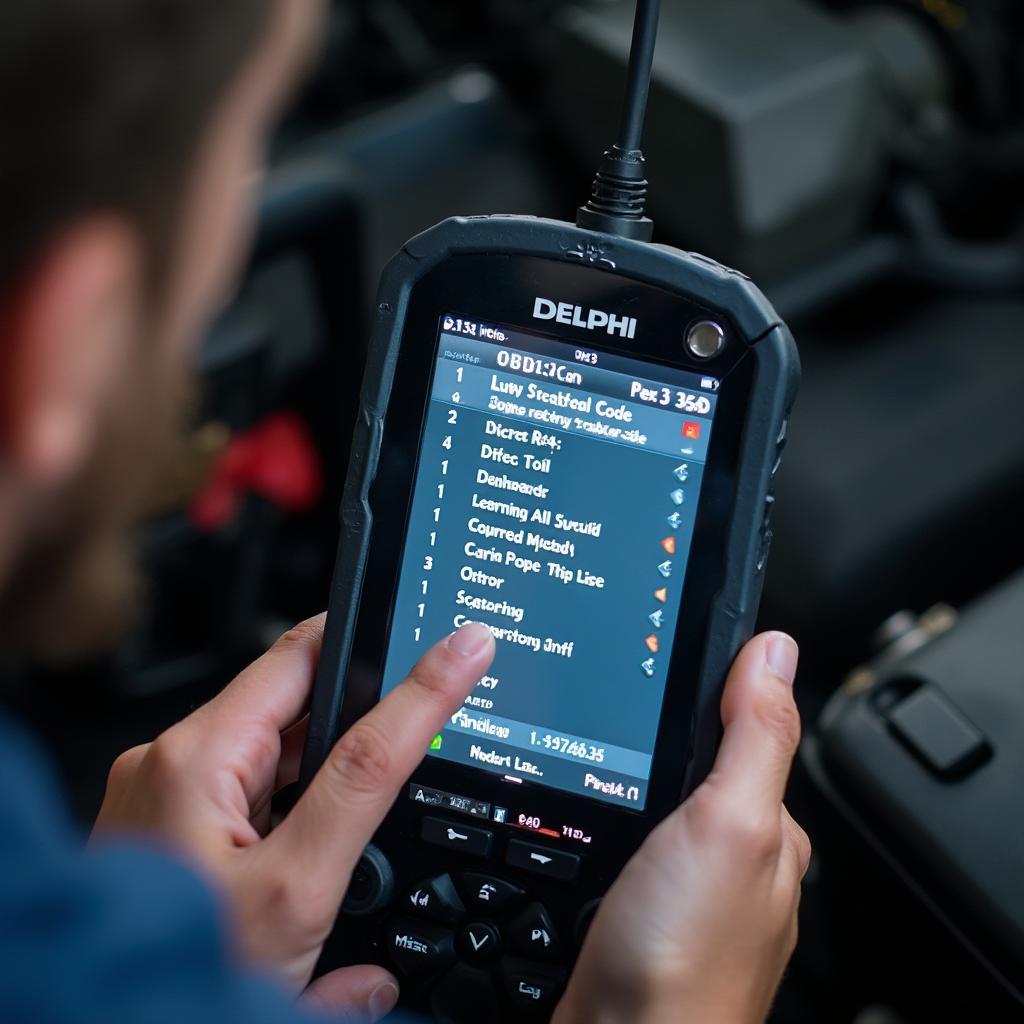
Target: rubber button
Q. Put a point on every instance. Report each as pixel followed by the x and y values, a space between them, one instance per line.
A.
pixel 479 942
pixel 491 897
pixel 465 996
pixel 531 987
pixel 437 899
pixel 533 934
pixel 543 861
pixel 419 948
pixel 453 835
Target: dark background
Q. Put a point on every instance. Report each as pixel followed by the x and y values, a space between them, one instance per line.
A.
pixel 862 160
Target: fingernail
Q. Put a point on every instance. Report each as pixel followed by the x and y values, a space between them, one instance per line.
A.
pixel 471 639
pixel 782 655
pixel 383 999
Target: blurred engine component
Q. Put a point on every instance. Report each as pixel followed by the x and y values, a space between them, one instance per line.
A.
pixel 904 475
pixel 819 149
pixel 455 145
pixel 924 766
pixel 765 156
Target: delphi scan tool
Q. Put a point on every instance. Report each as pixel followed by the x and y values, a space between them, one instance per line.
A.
pixel 571 435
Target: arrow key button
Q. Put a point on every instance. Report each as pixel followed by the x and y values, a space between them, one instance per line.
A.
pixel 533 935
pixel 479 942
pixel 489 896
pixel 543 860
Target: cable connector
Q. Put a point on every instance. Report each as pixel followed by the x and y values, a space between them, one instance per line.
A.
pixel 618 201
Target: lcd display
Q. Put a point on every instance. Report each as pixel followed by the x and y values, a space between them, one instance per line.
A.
pixel 555 499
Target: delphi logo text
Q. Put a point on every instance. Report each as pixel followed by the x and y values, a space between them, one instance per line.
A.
pixel 591 319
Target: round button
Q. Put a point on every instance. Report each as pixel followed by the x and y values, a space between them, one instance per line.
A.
pixel 372 884
pixel 479 942
pixel 705 339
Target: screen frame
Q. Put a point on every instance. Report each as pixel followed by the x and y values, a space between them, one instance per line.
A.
pixel 501 288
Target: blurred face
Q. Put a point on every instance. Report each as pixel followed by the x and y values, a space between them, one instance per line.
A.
pixel 88 434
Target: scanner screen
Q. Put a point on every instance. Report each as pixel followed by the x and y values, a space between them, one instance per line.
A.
pixel 554 500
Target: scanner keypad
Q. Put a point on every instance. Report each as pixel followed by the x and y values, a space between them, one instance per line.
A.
pixel 472 935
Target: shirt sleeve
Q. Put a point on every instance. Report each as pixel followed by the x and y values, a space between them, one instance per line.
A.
pixel 122 935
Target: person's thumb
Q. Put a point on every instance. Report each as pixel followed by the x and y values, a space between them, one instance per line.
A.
pixel 762 726
pixel 364 993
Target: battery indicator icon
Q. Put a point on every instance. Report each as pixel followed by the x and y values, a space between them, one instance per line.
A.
pixel 709 384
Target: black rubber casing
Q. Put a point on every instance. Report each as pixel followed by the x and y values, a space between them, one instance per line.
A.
pixel 483 268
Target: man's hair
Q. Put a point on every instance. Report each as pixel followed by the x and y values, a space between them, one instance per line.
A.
pixel 103 104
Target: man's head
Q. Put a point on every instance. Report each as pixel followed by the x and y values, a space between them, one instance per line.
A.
pixel 132 136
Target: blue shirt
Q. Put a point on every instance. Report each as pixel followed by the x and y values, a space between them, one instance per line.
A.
pixel 119 934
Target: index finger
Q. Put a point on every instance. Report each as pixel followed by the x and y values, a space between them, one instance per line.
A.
pixel 349 796
pixel 273 691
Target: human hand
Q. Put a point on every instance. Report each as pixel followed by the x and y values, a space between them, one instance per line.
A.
pixel 206 784
pixel 701 923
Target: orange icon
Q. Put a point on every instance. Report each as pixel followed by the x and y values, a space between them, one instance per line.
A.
pixel 652 644
pixel 669 544
pixel 662 594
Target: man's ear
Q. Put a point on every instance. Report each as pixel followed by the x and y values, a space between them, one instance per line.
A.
pixel 67 329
